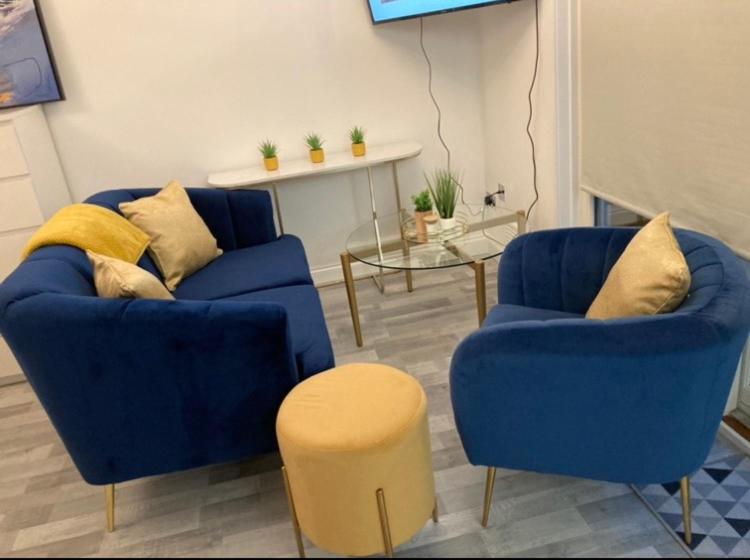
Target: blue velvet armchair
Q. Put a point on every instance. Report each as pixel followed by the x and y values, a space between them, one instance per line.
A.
pixel 143 387
pixel 637 400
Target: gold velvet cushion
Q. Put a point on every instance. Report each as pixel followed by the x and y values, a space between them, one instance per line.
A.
pixel 344 434
pixel 118 279
pixel 650 277
pixel 181 243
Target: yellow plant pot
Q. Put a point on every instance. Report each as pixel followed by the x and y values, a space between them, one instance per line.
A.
pixel 271 163
pixel 359 150
pixel 317 156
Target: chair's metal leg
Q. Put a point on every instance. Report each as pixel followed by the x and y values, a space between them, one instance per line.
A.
pixel 293 513
pixel 384 524
pixel 109 498
pixel 435 517
pixel 687 515
pixel 490 486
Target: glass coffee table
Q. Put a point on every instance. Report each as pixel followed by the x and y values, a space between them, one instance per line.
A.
pixel 395 242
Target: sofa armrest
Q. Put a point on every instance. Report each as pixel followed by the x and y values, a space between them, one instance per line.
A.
pixel 632 400
pixel 560 269
pixel 142 387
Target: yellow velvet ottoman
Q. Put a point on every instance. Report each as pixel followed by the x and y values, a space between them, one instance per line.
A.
pixel 357 462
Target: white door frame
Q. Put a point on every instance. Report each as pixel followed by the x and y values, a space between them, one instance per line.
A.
pixel 566 76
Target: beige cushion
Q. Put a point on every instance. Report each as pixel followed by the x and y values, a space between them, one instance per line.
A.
pixel 118 279
pixel 650 277
pixel 181 243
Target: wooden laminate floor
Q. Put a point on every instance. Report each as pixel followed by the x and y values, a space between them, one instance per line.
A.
pixel 240 509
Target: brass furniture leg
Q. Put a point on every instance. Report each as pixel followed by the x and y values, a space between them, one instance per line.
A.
pixel 293 513
pixel 490 486
pixel 409 281
pixel 686 509
pixel 481 289
pixel 521 221
pixel 435 517
pixel 109 498
pixel 384 525
pixel 346 266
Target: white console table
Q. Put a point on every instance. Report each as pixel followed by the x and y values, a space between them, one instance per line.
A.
pixel 337 162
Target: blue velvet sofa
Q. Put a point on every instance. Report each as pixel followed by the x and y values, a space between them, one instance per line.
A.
pixel 142 387
pixel 638 400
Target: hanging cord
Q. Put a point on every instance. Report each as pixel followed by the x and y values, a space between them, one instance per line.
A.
pixel 531 114
pixel 432 95
pixel 440 118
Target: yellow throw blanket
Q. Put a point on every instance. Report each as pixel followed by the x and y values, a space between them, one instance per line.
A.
pixel 93 228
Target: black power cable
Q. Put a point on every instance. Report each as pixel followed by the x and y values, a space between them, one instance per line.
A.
pixel 531 112
pixel 490 198
pixel 432 95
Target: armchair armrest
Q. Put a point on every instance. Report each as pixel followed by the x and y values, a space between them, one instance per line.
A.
pixel 560 269
pixel 631 400
pixel 142 387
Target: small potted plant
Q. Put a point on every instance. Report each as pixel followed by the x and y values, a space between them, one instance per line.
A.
pixel 422 209
pixel 443 187
pixel 315 143
pixel 357 135
pixel 270 155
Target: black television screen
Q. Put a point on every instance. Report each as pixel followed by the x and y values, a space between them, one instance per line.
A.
pixel 391 10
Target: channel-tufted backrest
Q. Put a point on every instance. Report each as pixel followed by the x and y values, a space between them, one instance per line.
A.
pixel 565 269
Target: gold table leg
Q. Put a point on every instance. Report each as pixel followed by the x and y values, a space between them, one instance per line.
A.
pixel 435 517
pixel 384 524
pixel 293 513
pixel 409 279
pixel 109 498
pixel 481 290
pixel 346 266
pixel 489 487
pixel 686 509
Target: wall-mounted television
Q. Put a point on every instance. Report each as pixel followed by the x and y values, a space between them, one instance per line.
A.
pixel 392 10
pixel 27 69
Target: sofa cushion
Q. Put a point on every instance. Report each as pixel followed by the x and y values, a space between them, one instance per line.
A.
pixel 114 278
pixel 312 347
pixel 271 265
pixel 506 313
pixel 181 242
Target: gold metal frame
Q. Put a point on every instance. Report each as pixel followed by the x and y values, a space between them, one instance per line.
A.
pixel 385 526
pixel 687 515
pixel 488 489
pixel 293 513
pixel 109 499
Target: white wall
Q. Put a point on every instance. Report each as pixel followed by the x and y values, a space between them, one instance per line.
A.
pixel 507 55
pixel 180 88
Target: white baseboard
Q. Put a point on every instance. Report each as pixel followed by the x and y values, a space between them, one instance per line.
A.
pixel 734 437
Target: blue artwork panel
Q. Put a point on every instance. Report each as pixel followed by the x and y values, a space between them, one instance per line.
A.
pixel 27 72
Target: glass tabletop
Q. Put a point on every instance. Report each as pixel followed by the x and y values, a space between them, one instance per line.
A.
pixel 396 241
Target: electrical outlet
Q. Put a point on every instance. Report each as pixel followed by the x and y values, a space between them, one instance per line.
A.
pixel 501 192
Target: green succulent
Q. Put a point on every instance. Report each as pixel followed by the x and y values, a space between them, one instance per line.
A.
pixel 422 201
pixel 443 187
pixel 314 141
pixel 357 134
pixel 268 149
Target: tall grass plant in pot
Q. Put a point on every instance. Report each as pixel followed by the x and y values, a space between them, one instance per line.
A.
pixel 443 187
